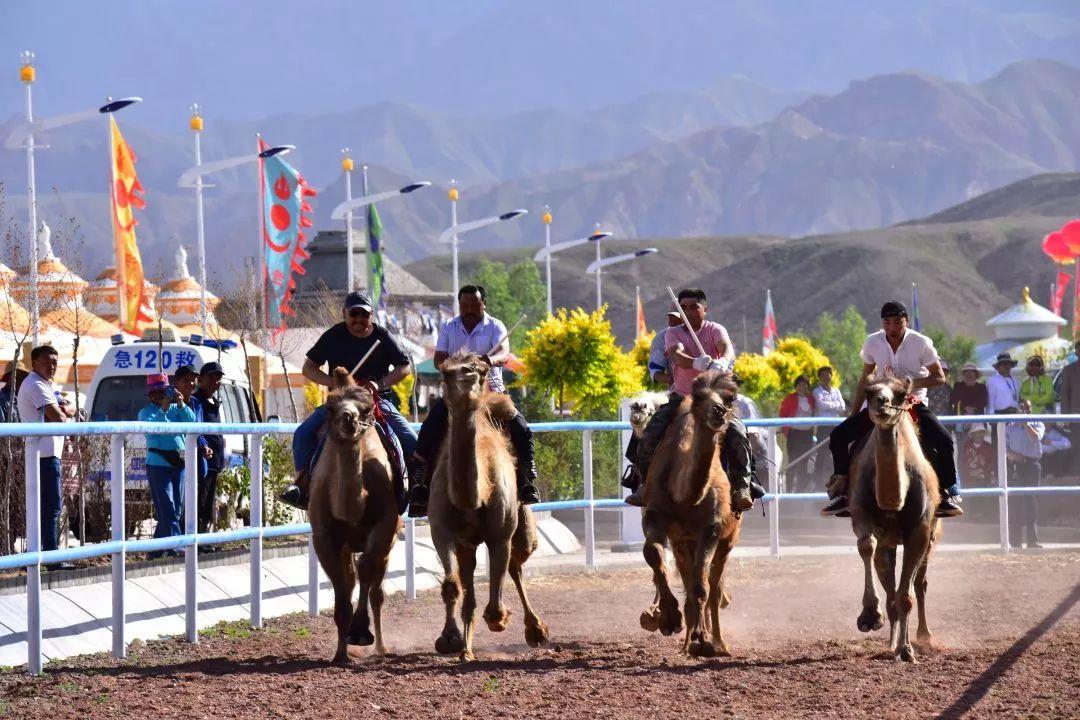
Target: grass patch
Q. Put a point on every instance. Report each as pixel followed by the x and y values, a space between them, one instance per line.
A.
pixel 4 707
pixel 302 632
pixel 101 699
pixel 491 684
pixel 233 630
pixel 68 686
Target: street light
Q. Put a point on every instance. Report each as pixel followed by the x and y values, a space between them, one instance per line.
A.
pixel 450 234
pixel 548 250
pixel 193 178
pixel 22 136
pixel 344 210
pixel 596 265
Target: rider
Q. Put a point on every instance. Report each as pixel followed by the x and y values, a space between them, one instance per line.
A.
pixel 898 351
pixel 473 331
pixel 719 353
pixel 344 345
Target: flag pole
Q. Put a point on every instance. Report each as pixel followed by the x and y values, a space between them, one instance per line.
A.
pixel 196 125
pixel 369 269
pixel 453 195
pixel 347 168
pixel 547 261
pixel 28 74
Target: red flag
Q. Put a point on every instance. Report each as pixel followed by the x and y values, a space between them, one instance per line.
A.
pixel 769 334
pixel 641 329
pixel 1059 294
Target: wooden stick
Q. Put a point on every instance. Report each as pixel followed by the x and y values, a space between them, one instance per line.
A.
pixel 701 349
pixel 509 332
pixel 365 358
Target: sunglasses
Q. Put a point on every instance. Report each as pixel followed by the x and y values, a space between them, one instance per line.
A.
pixel 359 313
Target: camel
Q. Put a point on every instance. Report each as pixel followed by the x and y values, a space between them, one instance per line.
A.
pixel 473 501
pixel 353 510
pixel 642 407
pixel 688 502
pixel 894 492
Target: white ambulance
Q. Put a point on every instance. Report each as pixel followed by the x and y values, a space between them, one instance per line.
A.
pixel 118 389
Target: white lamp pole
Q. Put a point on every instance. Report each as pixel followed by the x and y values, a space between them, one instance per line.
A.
pixel 22 137
pixel 450 234
pixel 347 168
pixel 549 250
pixel 196 125
pixel 596 266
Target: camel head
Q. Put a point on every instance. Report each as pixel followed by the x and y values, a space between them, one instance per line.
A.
pixel 464 380
pixel 886 401
pixel 351 412
pixel 713 397
pixel 642 408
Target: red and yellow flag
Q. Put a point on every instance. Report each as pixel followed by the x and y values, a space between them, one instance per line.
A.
pixel 126 193
pixel 640 329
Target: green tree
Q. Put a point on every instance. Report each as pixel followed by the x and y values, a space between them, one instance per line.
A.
pixel 841 339
pixel 953 349
pixel 511 292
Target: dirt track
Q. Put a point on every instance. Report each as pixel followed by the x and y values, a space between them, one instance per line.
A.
pixel 1008 627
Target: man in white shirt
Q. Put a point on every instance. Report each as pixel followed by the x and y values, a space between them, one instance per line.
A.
pixel 1001 388
pixel 477 332
pixel 897 351
pixel 39 402
pixel 828 402
pixel 1024 451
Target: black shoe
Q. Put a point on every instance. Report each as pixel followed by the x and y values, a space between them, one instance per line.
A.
pixel 635 498
pixel 741 500
pixel 838 507
pixel 294 496
pixel 528 494
pixel 756 491
pixel 418 500
pixel 949 507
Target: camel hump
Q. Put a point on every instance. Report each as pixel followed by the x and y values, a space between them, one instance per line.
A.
pixel 341 378
pixel 500 407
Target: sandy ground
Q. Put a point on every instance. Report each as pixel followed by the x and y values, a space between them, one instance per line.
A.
pixel 1007 629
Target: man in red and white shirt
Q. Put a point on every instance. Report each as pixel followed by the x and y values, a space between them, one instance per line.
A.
pixel 896 350
pixel 686 365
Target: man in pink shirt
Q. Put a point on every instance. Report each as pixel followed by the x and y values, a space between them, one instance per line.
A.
pixel 687 364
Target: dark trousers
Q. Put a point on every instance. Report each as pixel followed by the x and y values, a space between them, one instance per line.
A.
pixel 51 503
pixel 306 436
pixel 934 439
pixel 736 454
pixel 208 477
pixel 1022 512
pixel 798 474
pixel 433 431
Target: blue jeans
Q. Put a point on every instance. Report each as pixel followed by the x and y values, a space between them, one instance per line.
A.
pixel 306 437
pixel 167 493
pixel 51 504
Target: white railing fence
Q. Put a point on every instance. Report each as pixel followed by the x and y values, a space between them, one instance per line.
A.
pixel 119 546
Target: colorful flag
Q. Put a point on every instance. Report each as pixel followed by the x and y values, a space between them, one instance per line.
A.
pixel 1057 303
pixel 769 334
pixel 376 277
pixel 283 193
pixel 641 330
pixel 915 323
pixel 125 194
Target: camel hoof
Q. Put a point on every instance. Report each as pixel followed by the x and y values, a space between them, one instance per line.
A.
pixel 650 619
pixel 722 649
pixel 725 599
pixel 360 637
pixel 536 635
pixel 870 620
pixel 925 644
pixel 449 644
pixel 342 659
pixel 497 619
pixel 702 648
pixel 670 618
pixel 466 656
pixel 906 654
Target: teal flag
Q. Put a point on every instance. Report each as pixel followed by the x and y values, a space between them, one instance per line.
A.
pixel 376 278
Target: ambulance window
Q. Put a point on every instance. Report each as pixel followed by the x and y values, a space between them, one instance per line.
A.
pixel 119 398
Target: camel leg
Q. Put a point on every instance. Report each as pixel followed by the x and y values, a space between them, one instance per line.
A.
pixel 916 546
pixel 450 641
pixel 495 614
pixel 697 590
pixel 336 562
pixel 521 548
pixel 360 627
pixel 466 557
pixel 870 618
pixel 371 570
pixel 924 639
pixel 377 596
pixel 668 617
pixel 717 598
pixel 684 558
pixel 885 564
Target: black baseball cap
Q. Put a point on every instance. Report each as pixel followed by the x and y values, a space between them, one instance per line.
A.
pixel 893 308
pixel 358 299
pixel 185 370
pixel 211 368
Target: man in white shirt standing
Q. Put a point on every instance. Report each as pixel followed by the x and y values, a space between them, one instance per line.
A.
pixel 901 352
pixel 39 402
pixel 1001 387
pixel 828 402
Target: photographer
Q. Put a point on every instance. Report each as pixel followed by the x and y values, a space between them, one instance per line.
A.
pixel 165 456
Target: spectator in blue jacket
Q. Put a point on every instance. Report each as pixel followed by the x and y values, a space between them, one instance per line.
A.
pixel 165 455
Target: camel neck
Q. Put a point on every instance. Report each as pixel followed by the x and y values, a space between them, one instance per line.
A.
pixel 464 476
pixel 693 479
pixel 891 479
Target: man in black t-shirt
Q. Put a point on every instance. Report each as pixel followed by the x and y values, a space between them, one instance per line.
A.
pixel 343 345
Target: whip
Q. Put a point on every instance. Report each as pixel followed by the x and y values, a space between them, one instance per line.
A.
pixel 686 323
pixel 364 359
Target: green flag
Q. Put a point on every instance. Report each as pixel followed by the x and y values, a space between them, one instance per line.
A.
pixel 376 280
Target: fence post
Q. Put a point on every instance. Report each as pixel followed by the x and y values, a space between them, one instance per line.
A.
pixel 256 521
pixel 590 526
pixel 313 578
pixel 774 488
pixel 33 545
pixel 1003 483
pixel 119 534
pixel 410 558
pixel 191 552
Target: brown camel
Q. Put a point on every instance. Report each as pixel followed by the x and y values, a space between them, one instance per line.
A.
pixel 688 502
pixel 353 510
pixel 474 501
pixel 894 492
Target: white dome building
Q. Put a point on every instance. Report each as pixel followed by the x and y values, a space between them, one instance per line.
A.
pixel 1023 330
